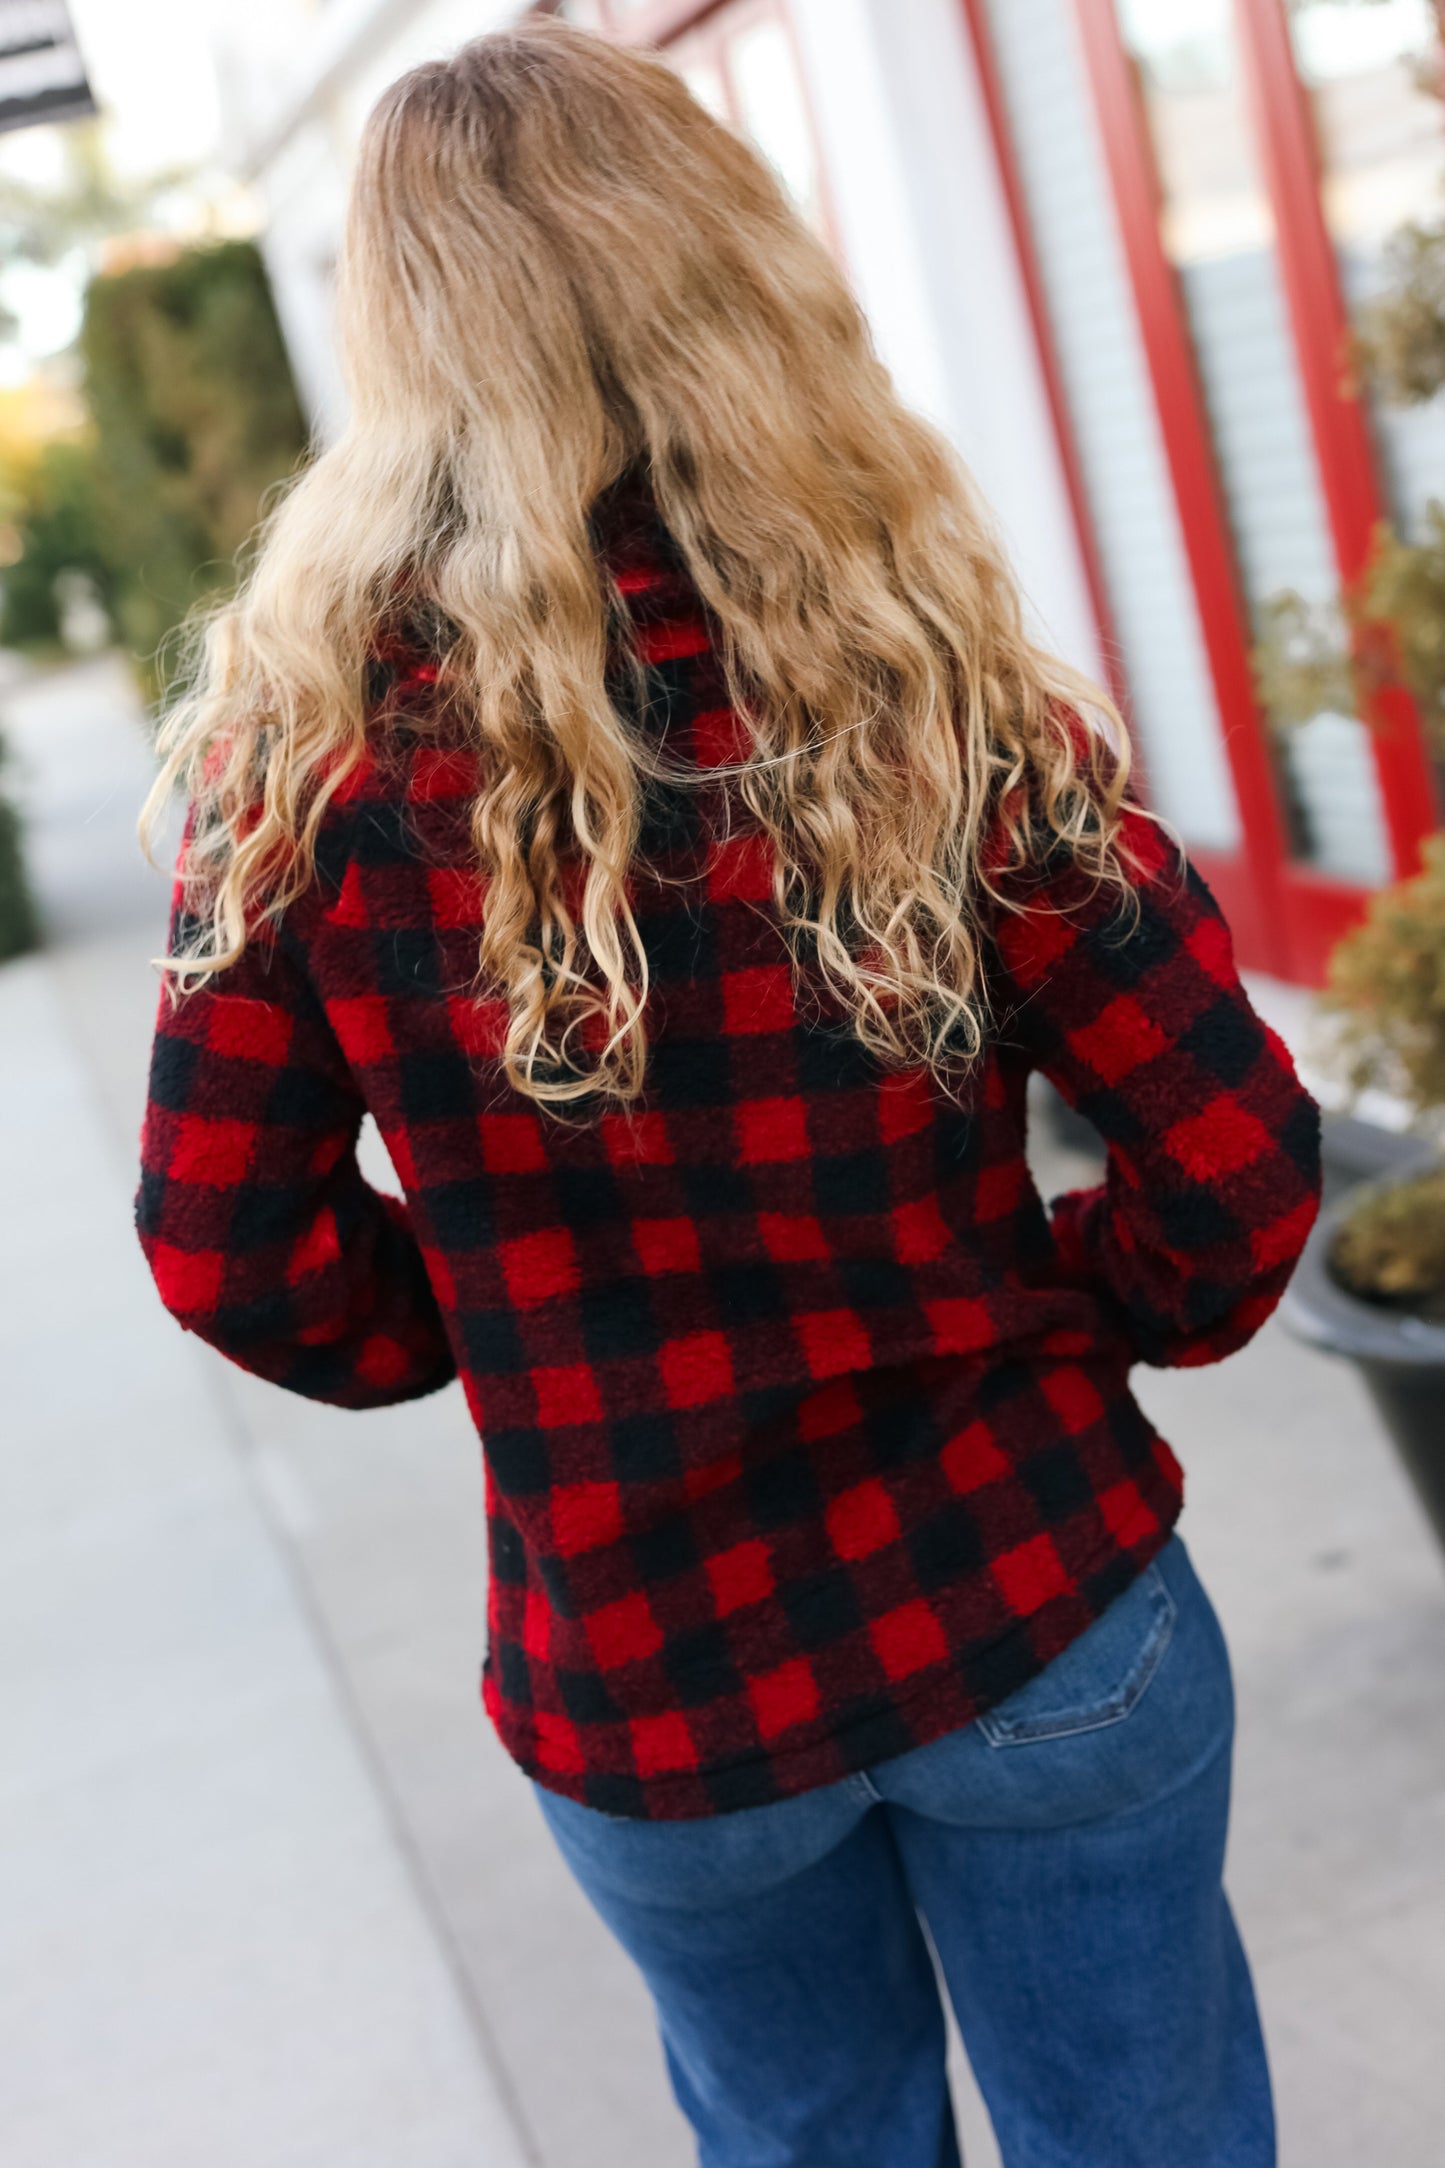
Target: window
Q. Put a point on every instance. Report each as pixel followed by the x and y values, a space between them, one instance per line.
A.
pixel 1200 187
pixel 1121 452
pixel 1218 228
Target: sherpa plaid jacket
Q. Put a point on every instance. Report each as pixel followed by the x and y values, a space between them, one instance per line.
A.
pixel 808 1433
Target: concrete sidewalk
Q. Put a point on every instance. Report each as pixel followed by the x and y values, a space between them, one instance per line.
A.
pixel 215 1945
pixel 274 1892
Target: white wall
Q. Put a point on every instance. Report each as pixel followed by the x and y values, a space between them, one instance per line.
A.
pixel 926 233
pixel 305 196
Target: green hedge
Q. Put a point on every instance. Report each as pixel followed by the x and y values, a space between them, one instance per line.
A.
pixel 59 532
pixel 18 928
pixel 196 417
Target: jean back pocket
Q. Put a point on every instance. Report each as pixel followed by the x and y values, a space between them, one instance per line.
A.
pixel 1098 1678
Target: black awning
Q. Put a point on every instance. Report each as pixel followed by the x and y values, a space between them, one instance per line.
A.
pixel 42 74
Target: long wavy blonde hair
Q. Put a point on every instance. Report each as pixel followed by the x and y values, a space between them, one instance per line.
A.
pixel 558 267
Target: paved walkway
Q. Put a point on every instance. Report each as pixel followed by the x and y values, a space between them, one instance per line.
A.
pixel 273 1894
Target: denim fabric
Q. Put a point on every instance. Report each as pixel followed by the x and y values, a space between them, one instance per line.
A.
pixel 1065 1853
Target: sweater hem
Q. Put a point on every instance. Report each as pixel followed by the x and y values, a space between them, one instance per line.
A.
pixel 930 1711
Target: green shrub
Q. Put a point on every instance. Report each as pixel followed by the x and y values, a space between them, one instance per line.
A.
pixel 1392 1247
pixel 1386 991
pixel 56 521
pixel 18 928
pixel 196 417
pixel 1386 988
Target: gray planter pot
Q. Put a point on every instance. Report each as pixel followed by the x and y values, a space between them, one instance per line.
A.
pixel 1401 1358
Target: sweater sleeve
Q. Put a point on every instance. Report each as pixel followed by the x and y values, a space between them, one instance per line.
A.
pixel 1213 1151
pixel 262 1235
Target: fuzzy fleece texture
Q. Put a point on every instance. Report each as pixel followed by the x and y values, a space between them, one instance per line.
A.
pixel 807 1430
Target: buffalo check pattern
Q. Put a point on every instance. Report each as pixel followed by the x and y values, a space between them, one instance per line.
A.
pixel 807 1428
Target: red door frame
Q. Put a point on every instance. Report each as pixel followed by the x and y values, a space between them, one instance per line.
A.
pixel 1242 879
pixel 1287 915
pixel 1314 908
pixel 1255 888
pixel 1284 131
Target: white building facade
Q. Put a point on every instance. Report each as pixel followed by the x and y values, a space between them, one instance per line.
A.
pixel 1109 246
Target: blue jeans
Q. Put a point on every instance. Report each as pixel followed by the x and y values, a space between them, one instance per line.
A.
pixel 1065 1853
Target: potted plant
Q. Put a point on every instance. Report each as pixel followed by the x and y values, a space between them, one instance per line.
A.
pixel 1371 1284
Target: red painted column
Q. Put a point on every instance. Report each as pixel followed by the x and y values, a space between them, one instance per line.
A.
pixel 1284 130
pixel 1123 128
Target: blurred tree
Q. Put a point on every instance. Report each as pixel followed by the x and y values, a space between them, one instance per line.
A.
pixel 195 417
pixel 34 419
pixel 55 528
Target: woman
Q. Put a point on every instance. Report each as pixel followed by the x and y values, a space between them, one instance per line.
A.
pixel 626 773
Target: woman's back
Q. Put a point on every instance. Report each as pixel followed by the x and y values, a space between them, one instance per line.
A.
pixel 807 1437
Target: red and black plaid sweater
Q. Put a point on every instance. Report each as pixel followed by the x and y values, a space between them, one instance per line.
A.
pixel 808 1435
